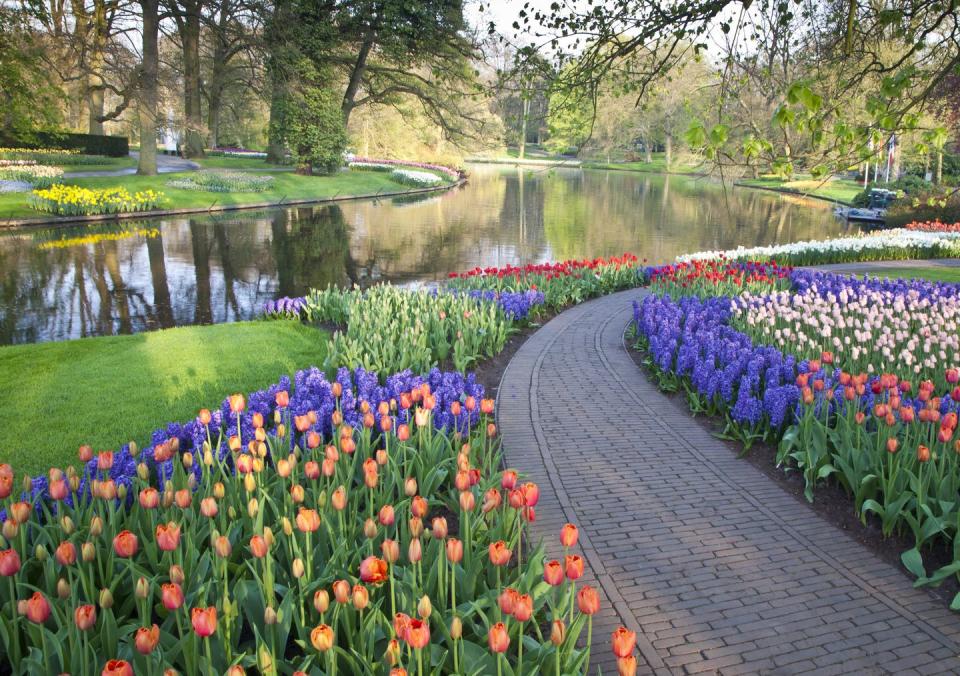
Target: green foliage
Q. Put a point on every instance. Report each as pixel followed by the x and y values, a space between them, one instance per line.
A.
pixel 88 144
pixel 311 123
pixel 570 121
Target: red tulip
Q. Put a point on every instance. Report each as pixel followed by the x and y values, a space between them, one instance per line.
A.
pixel 146 639
pixel 168 536
pixel 498 638
pixel 373 570
pixel 553 573
pixel 85 453
pixel 117 668
pixel 204 621
pixel 9 562
pixel 85 617
pixel 401 623
pixel 6 480
pixel 623 641
pixel 531 494
pixel 491 500
pixel 509 480
pixel 523 608
pixel 125 544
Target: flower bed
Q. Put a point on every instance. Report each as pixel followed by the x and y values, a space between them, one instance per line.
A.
pixel 933 226
pixel 285 308
pixel 899 244
pixel 339 525
pixel 52 156
pixel 37 175
pixel 222 181
pixel 371 166
pixel 716 277
pixel 416 179
pixel 236 152
pixel 453 174
pixel 562 283
pixel 855 380
pixel 70 200
pixel 393 329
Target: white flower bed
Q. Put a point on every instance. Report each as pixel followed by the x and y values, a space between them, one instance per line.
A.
pixel 371 166
pixel 883 245
pixel 417 179
pixel 37 175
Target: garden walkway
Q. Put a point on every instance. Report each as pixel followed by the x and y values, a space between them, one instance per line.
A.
pixel 713 564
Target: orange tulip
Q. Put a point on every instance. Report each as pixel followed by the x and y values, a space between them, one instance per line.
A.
pixel 390 549
pixel 172 595
pixel 573 565
pixel 499 553
pixel 6 481
pixel 105 461
pixel 341 591
pixel 149 498
pixel 85 617
pixel 454 550
pixel 125 544
pixel 66 554
pixel 37 608
pixel 85 453
pixel 208 507
pixel 237 403
pixel 508 600
pixel 321 600
pixel 258 546
pixel 373 570
pixel 204 621
pixel 146 639
pixel 439 528
pixel 415 550
pixel 322 637
pixel 20 512
pixel 569 535
pixel 418 634
pixel 553 573
pixel 401 623
pixel 588 600
pixel 923 453
pixel 339 499
pixel 491 500
pixel 418 506
pixel 387 515
pixel 558 632
pixel 361 597
pixel 282 398
pixel 486 406
pixel 623 641
pixel 168 536
pixel 308 520
pixel 627 666
pixel 523 608
pixel 117 668
pixel 498 638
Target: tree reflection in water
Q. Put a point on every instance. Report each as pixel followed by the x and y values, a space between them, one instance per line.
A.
pixel 126 277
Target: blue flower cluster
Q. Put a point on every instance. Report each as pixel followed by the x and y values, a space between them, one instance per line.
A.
pixel 516 305
pixel 285 308
pixel 690 337
pixel 310 391
pixel 826 283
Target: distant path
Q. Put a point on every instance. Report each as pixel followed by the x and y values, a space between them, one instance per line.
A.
pixel 866 267
pixel 166 164
pixel 715 566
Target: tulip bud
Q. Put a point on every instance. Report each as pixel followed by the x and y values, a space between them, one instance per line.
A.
pixel 88 552
pixel 177 575
pixel 410 487
pixel 10 529
pixel 143 588
pixel 456 628
pixel 250 484
pixel 66 524
pixel 424 607
pixel 232 513
pixel 253 507
pixel 558 632
pixel 63 589
pixel 370 528
pixel 297 567
pixel 416 526
pixel 219 490
pixel 143 471
pixel 187 460
pixel 287 526
pixel 27 483
pixel 222 546
pixel 415 550
pixel 321 600
pixel 106 599
pixel 268 536
pixel 96 526
pixel 269 616
pixel 40 553
pixel 393 652
pixel 361 597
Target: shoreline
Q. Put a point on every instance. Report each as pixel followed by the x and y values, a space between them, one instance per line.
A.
pixel 795 193
pixel 13 223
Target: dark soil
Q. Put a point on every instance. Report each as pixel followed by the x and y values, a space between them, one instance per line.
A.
pixel 831 502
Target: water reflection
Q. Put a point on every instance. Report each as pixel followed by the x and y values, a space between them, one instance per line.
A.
pixel 123 278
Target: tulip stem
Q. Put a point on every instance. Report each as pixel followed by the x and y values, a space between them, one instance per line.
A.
pixel 520 649
pixel 556 658
pixel 393 594
pixel 43 644
pixel 15 639
pixel 573 590
pixel 420 661
pixel 586 667
pixel 206 642
pixel 499 664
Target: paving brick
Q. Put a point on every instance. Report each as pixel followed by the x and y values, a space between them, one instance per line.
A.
pixel 708 559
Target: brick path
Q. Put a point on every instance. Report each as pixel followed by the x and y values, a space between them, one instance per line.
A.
pixel 715 567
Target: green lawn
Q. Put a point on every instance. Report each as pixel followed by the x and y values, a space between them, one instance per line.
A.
pixel 238 163
pixel 108 391
pixel 658 164
pixel 934 274
pixel 839 189
pixel 107 164
pixel 286 186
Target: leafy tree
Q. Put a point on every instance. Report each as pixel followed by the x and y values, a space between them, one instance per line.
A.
pixel 312 124
pixel 570 120
pixel 27 100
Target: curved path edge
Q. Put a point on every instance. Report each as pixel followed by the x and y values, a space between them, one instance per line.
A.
pixel 709 560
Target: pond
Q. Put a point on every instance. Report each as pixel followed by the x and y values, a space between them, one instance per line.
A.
pixel 70 282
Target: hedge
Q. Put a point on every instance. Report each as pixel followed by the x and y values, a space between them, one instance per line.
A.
pixel 90 144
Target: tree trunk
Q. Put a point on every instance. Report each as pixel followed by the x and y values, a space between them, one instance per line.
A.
pixel 648 151
pixel 98 43
pixel 147 105
pixel 356 77
pixel 523 127
pixel 939 175
pixel 668 152
pixel 215 103
pixel 190 39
